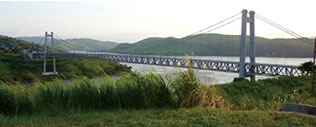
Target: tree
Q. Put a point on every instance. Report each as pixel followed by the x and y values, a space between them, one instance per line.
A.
pixel 307 68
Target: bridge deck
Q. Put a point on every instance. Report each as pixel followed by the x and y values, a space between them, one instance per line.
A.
pixel 224 66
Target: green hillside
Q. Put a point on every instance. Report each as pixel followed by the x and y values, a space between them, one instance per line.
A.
pixel 215 45
pixel 9 45
pixel 91 45
pixel 76 44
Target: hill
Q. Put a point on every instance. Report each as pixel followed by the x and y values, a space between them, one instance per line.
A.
pixel 92 45
pixel 215 45
pixel 9 45
pixel 76 44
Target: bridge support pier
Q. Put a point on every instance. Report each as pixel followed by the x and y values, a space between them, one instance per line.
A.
pixel 252 46
pixel 242 61
pixel 45 55
pixel 242 58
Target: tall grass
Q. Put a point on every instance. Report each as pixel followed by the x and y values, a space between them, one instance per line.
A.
pixel 14 100
pixel 7 100
pixel 189 92
pixel 206 97
pixel 151 91
pixel 136 91
pixel 132 91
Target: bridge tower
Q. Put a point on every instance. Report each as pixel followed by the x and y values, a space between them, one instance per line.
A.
pixel 45 55
pixel 242 61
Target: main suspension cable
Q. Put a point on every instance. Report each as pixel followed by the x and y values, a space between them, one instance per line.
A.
pixel 309 42
pixel 199 31
pixel 191 36
pixel 290 31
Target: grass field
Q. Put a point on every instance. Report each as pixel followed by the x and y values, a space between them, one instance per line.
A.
pixel 160 117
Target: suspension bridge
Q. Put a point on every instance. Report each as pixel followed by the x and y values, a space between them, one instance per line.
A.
pixel 245 69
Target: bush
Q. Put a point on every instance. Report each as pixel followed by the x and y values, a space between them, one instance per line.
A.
pixel 190 93
pixel 185 84
pixel 205 97
pixel 307 68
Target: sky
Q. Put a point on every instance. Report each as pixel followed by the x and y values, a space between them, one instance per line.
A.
pixel 134 20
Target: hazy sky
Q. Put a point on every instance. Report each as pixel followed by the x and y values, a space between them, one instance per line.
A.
pixel 133 20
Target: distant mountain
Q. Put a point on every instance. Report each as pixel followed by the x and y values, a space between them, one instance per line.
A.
pixel 11 45
pixel 92 45
pixel 75 44
pixel 36 40
pixel 215 45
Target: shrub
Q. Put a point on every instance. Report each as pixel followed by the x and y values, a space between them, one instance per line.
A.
pixel 307 68
pixel 205 97
pixel 190 93
pixel 185 84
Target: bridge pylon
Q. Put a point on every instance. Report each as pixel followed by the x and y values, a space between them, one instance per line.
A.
pixel 252 54
pixel 45 55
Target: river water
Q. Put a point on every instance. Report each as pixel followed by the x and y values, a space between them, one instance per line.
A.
pixel 214 77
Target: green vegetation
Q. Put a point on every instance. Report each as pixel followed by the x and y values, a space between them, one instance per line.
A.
pixel 307 67
pixel 15 68
pixel 158 101
pixel 133 91
pixel 268 94
pixel 130 91
pixel 201 45
pixel 215 45
pixel 84 44
pixel 151 91
pixel 160 117
pixel 90 44
pixel 10 45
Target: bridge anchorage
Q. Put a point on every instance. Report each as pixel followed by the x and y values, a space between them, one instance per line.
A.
pixel 242 67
